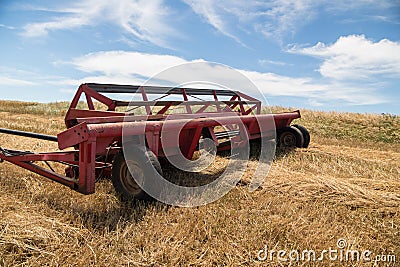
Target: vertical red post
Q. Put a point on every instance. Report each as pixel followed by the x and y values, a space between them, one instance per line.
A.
pixel 188 108
pixel 87 166
pixel 89 102
pixel 144 96
pixel 216 99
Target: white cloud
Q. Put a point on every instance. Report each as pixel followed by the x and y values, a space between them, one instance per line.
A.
pixel 4 80
pixel 135 68
pixel 344 5
pixel 272 84
pixel 126 63
pixel 212 12
pixel 355 57
pixel 40 29
pixel 315 103
pixel 111 79
pixel 266 62
pixel 275 19
pixel 7 27
pixel 151 20
pixel 145 20
pixel 271 18
pixel 284 17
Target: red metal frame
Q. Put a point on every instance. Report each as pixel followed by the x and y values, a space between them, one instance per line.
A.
pixel 96 135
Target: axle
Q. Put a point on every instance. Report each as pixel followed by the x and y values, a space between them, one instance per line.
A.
pixel 30 134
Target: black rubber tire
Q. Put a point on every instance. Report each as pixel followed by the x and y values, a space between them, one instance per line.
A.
pixel 306 134
pixel 255 146
pixel 289 137
pixel 122 179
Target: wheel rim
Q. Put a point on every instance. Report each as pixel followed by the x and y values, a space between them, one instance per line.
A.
pixel 288 140
pixel 127 174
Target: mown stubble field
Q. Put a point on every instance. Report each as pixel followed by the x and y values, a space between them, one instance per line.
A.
pixel 345 185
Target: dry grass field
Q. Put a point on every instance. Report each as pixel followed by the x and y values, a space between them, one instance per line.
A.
pixel 345 185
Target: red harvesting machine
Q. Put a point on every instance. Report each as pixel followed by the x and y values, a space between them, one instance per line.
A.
pixel 92 144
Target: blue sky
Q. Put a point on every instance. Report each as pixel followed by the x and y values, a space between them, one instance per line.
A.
pixel 324 55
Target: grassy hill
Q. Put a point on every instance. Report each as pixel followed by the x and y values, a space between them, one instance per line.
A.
pixel 346 185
